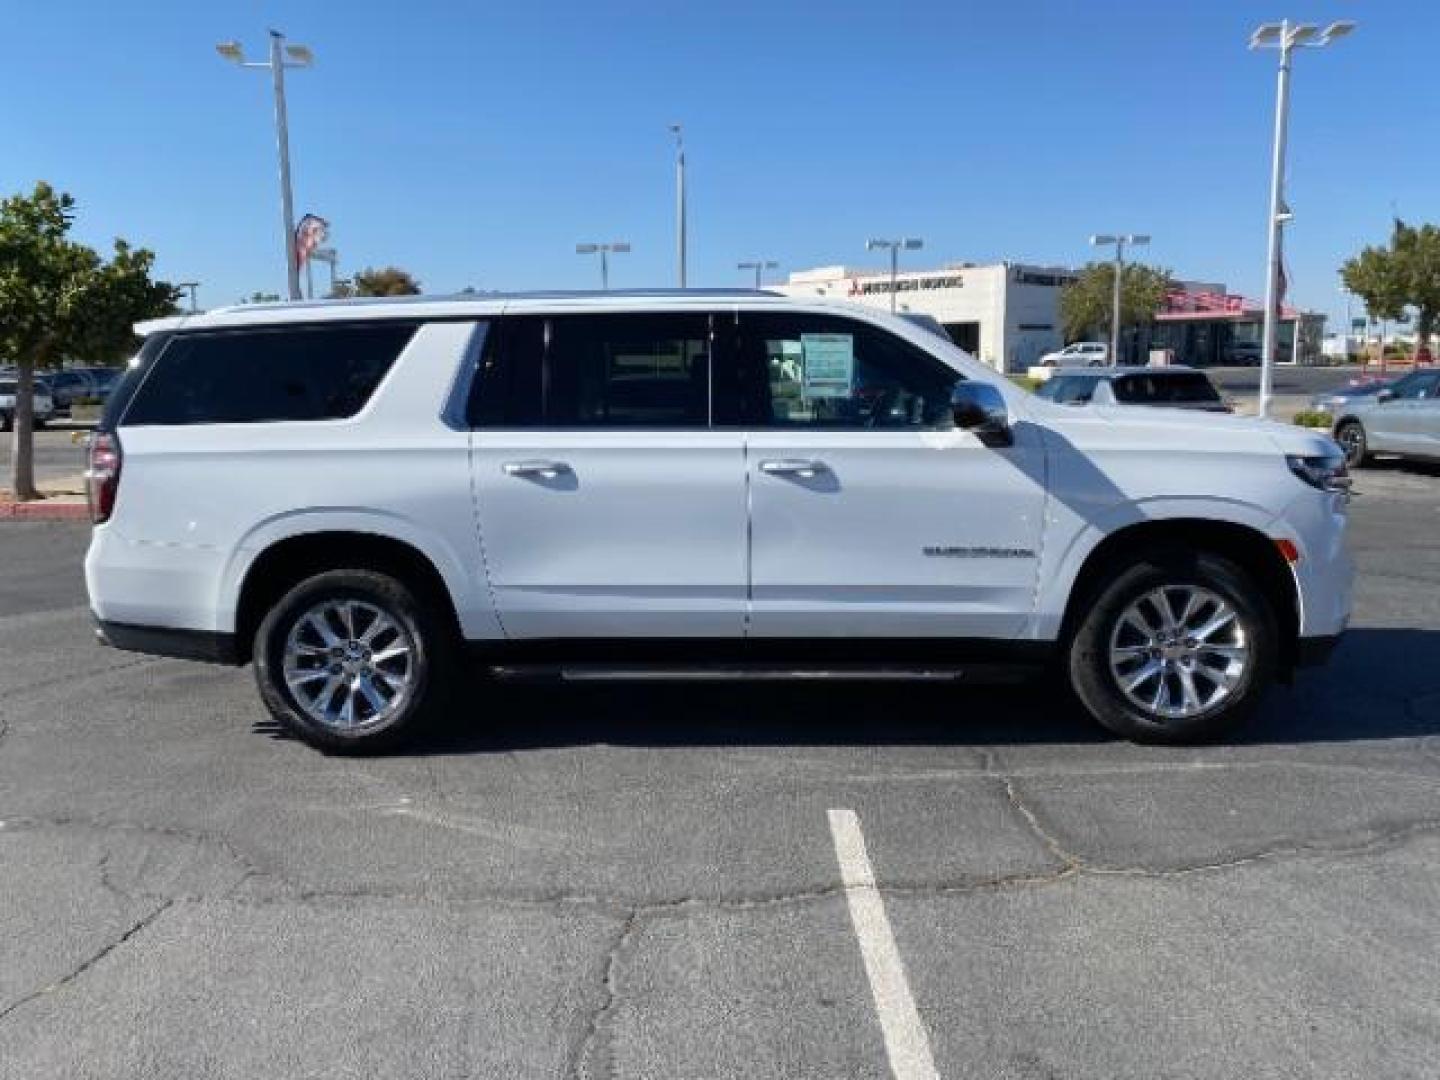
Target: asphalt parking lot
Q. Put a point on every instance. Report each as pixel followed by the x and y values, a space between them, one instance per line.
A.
pixel 647 882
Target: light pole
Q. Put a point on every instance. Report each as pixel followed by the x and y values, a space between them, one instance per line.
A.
pixel 192 286
pixel 282 56
pixel 618 247
pixel 1286 37
pixel 894 246
pixel 680 238
pixel 759 266
pixel 1119 240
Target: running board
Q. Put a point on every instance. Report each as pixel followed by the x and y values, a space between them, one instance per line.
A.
pixel 585 673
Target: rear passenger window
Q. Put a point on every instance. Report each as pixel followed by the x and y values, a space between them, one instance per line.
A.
pixel 598 371
pixel 254 376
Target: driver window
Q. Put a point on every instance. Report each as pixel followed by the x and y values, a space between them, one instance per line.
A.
pixel 823 371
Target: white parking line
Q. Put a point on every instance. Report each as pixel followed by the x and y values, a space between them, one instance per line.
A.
pixel 906 1043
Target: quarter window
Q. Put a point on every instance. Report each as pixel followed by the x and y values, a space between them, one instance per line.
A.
pixel 829 372
pixel 255 376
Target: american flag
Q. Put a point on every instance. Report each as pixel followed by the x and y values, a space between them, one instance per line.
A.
pixel 309 235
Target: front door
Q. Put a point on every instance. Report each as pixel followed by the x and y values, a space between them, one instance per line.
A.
pixel 1413 418
pixel 608 506
pixel 871 515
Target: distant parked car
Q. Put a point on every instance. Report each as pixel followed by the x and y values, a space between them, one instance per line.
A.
pixel 67 387
pixel 44 407
pixel 1333 401
pixel 1243 354
pixel 1167 387
pixel 1078 354
pixel 104 380
pixel 1403 419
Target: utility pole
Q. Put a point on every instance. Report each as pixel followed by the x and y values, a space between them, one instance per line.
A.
pixel 1119 240
pixel 617 247
pixel 282 56
pixel 759 266
pixel 680 229
pixel 1286 37
pixel 192 286
pixel 894 247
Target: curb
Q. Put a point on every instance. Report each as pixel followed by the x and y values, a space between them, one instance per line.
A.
pixel 44 510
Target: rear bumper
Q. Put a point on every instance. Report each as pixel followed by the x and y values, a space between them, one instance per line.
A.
pixel 166 641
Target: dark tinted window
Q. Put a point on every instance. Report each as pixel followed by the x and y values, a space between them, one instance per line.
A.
pixel 1068 389
pixel 832 372
pixel 1176 389
pixel 253 376
pixel 597 371
pixel 1419 384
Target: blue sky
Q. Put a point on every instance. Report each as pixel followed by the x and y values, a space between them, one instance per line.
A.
pixel 475 144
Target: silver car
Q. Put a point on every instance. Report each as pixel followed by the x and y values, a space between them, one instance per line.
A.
pixel 1403 419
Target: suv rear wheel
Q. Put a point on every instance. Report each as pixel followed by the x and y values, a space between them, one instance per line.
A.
pixel 351 661
pixel 1177 648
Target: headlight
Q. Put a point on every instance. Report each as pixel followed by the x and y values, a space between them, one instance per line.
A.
pixel 1324 471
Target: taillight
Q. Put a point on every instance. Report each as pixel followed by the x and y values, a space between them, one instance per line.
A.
pixel 102 475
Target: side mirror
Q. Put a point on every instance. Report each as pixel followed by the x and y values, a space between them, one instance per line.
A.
pixel 981 408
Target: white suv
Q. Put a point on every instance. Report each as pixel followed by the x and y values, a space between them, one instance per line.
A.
pixel 1080 354
pixel 372 499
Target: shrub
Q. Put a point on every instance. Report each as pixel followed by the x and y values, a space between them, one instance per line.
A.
pixel 1313 418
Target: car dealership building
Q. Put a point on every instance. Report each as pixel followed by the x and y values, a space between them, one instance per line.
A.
pixel 1008 314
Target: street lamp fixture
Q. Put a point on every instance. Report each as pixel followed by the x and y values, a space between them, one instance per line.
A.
pixel 300 56
pixel 759 266
pixel 909 243
pixel 1119 241
pixel 617 247
pixel 1285 37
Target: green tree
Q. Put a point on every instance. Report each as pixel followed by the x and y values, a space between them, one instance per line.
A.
pixel 1404 275
pixel 60 299
pixel 1087 303
pixel 261 298
pixel 388 281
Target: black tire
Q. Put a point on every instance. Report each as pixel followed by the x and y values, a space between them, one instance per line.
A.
pixel 6 421
pixel 1089 654
pixel 433 648
pixel 1351 437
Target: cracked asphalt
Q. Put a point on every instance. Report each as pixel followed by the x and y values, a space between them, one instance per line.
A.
pixel 598 881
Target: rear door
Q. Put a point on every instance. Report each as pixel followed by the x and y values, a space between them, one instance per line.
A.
pixel 871 515
pixel 608 505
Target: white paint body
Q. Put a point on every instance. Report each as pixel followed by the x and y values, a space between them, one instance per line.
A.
pixel 684 534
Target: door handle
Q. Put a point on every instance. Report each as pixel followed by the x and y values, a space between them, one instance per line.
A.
pixel 806 470
pixel 546 470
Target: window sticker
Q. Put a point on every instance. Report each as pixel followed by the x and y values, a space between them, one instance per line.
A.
pixel 829 365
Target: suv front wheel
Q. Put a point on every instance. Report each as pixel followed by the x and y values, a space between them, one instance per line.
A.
pixel 351 661
pixel 1176 648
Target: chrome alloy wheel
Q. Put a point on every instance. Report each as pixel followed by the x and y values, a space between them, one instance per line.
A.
pixel 349 664
pixel 1178 651
pixel 1351 438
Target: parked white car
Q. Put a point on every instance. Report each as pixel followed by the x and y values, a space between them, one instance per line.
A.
pixel 356 495
pixel 1078 354
pixel 44 408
